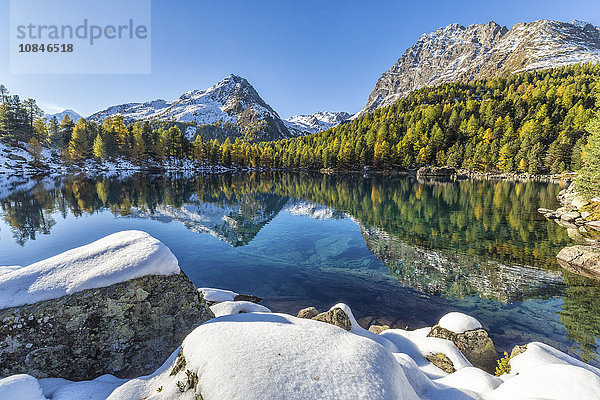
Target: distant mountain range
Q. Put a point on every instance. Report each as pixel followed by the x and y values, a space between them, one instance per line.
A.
pixel 61 115
pixel 456 53
pixel 304 124
pixel 453 53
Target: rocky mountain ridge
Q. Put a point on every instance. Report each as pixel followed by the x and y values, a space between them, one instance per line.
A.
pixel 231 101
pixel 458 53
pixel 300 125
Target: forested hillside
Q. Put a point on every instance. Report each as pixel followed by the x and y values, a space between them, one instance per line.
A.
pixel 532 122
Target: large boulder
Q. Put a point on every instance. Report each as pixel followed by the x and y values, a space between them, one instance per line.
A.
pixel 102 308
pixel 581 259
pixel 475 345
pixel 110 330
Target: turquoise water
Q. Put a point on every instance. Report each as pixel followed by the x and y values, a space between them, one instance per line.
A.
pixel 397 250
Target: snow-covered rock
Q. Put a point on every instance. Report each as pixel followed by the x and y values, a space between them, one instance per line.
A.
pixel 275 356
pixel 98 309
pixel 20 387
pixel 300 125
pixel 459 322
pixel 217 295
pixel 237 307
pixel 113 259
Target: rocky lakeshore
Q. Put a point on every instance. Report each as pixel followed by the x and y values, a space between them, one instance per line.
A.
pixel 89 322
pixel 581 218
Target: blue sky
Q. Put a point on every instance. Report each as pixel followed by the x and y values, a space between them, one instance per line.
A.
pixel 301 56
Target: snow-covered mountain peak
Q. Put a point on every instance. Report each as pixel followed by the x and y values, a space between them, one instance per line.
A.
pixel 232 100
pixel 458 53
pixel 300 125
pixel 61 115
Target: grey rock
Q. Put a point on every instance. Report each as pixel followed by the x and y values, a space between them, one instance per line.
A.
pixel 475 345
pixel 570 216
pixel 584 260
pixel 377 329
pixel 308 313
pixel 127 329
pixel 518 350
pixel 579 202
pixel 593 224
pixel 441 361
pixel 436 172
pixel 336 317
pixel 247 297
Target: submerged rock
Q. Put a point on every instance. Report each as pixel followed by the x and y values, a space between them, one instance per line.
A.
pixel 581 259
pixel 475 345
pixel 127 329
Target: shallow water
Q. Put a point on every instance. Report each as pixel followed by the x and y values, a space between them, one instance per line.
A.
pixel 397 250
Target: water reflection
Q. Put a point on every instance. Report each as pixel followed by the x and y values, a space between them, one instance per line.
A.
pixel 462 240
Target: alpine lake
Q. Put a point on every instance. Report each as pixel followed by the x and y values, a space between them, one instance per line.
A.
pixel 399 251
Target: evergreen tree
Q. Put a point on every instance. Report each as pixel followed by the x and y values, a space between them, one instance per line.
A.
pixel 99 148
pixel 79 147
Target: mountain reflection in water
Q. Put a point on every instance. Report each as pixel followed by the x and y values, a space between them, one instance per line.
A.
pixel 472 242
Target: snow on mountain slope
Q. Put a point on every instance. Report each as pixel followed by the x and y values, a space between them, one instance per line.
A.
pixel 300 125
pixel 456 53
pixel 61 115
pixel 232 100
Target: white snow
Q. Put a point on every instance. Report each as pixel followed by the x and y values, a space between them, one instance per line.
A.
pixel 276 356
pixel 262 355
pixel 237 307
pixel 540 354
pixel 553 381
pixel 113 259
pixel 459 322
pixel 300 125
pixel 217 295
pixel 97 389
pixel 21 386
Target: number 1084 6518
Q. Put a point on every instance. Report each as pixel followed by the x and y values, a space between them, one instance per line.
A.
pixel 45 48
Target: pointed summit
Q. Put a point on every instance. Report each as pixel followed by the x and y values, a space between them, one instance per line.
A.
pixel 233 100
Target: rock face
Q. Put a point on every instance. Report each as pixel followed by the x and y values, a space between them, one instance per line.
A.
pixel 475 345
pixel 458 53
pixel 581 259
pixel 127 329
